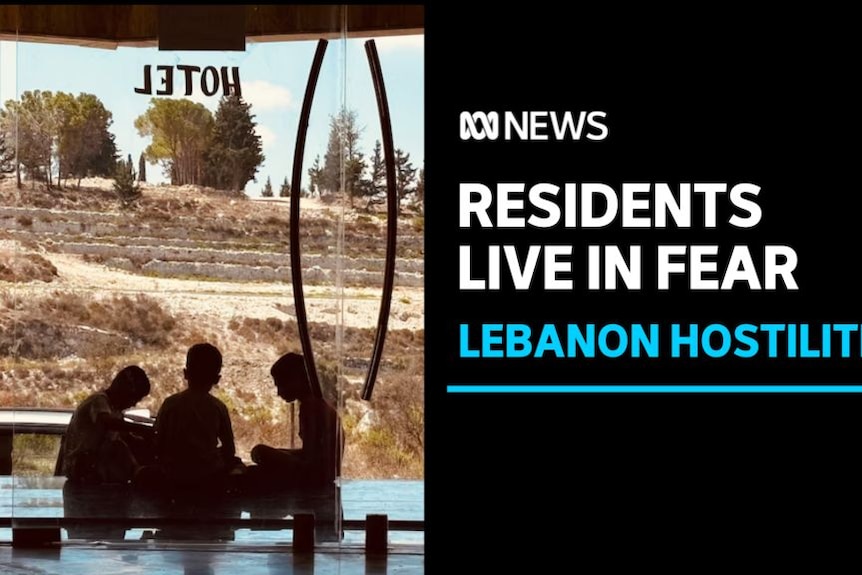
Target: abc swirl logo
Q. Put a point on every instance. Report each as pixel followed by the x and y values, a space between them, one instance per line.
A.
pixel 533 126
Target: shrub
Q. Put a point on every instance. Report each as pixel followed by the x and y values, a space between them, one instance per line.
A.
pixel 125 185
pixel 26 268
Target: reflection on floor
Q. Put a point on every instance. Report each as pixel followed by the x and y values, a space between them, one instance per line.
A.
pixel 190 559
pixel 114 547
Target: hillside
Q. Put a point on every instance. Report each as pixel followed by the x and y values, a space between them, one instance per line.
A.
pixel 86 288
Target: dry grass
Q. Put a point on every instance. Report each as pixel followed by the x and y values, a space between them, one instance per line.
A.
pixel 40 369
pixel 230 216
pixel 389 443
pixel 28 267
pixel 58 346
pixel 68 324
pixel 34 454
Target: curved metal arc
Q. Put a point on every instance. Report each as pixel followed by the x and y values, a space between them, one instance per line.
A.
pixel 392 218
pixel 295 187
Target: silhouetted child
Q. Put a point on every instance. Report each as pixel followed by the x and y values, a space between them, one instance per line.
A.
pixel 318 462
pixel 194 439
pixel 96 445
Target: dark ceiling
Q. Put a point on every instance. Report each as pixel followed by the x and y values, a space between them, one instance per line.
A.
pixel 112 25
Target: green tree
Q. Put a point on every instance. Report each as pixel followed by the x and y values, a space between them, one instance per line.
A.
pixel 353 180
pixel 64 109
pixel 330 175
pixel 127 190
pixel 315 177
pixel 267 189
pixel 342 151
pixel 7 156
pixel 8 133
pixel 405 175
pixel 375 185
pixel 180 132
pixel 85 146
pixel 33 120
pixel 236 151
pixel 284 192
pixel 420 188
pixel 106 158
pixel 142 168
pixel 378 169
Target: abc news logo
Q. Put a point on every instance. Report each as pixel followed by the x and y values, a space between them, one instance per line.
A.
pixel 533 126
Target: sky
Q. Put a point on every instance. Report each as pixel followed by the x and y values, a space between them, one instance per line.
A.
pixel 273 76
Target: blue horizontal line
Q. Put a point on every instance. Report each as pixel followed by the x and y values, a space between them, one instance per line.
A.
pixel 717 388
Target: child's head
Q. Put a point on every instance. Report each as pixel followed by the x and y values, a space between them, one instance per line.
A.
pixel 290 377
pixel 128 387
pixel 203 366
